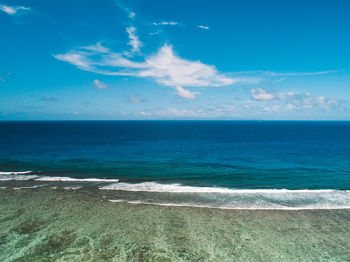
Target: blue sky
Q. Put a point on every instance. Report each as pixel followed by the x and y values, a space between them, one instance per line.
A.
pixel 174 60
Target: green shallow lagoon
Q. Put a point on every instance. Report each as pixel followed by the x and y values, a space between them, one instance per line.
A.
pixel 45 224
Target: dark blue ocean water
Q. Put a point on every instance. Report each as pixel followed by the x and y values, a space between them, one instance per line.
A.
pixel 234 154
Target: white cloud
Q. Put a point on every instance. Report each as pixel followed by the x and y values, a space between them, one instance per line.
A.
pixel 165 67
pixel 203 27
pixel 296 101
pixel 99 84
pixel 145 113
pixel 289 107
pixel 261 94
pixel 13 10
pixel 97 48
pixel 169 69
pixel 185 93
pixel 132 15
pixel 274 108
pixel 165 23
pixel 76 58
pixel 175 112
pixel 134 40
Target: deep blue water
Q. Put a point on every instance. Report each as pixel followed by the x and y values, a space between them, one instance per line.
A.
pixel 235 154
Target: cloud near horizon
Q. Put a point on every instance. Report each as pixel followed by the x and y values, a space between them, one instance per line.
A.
pixel 261 94
pixel 165 67
pixel 295 101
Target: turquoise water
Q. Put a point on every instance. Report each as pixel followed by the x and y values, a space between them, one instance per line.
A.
pixel 45 224
pixel 175 191
pixel 226 164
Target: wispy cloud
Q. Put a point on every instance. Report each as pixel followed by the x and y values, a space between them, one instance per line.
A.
pixel 134 40
pixel 165 23
pixel 98 84
pixel 303 73
pixel 13 10
pixel 203 27
pixel 165 67
pixel 263 73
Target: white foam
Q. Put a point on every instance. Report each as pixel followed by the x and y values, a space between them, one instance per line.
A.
pixel 178 188
pixel 276 207
pixel 71 179
pixel 72 187
pixel 227 198
pixel 17 177
pixel 28 187
pixel 15 172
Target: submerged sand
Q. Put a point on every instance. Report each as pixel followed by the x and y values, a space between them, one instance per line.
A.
pixel 45 224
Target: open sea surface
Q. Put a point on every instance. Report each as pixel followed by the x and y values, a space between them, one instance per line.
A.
pixel 175 191
pixel 220 164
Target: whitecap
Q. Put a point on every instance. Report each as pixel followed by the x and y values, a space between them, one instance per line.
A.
pixel 232 207
pixel 179 188
pixel 15 172
pixel 72 187
pixel 17 177
pixel 71 179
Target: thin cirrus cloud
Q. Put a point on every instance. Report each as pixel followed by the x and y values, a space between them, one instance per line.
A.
pixel 165 67
pixel 267 74
pixel 134 40
pixel 203 27
pixel 13 10
pixel 165 23
pixel 303 73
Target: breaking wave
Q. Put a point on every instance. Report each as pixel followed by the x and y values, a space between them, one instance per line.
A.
pixel 226 198
pixel 179 188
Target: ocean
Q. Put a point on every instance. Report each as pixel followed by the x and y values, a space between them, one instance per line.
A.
pixel 222 164
pixel 174 191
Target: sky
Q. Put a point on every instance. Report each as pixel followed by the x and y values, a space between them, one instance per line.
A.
pixel 184 59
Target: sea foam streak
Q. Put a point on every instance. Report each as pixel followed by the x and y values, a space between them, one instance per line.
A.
pixel 15 172
pixel 71 179
pixel 179 188
pixel 226 198
pixel 17 177
pixel 272 207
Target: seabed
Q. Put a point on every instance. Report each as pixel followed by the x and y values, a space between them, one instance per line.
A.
pixel 46 224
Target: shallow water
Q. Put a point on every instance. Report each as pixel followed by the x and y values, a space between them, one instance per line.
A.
pixel 175 191
pixel 47 224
